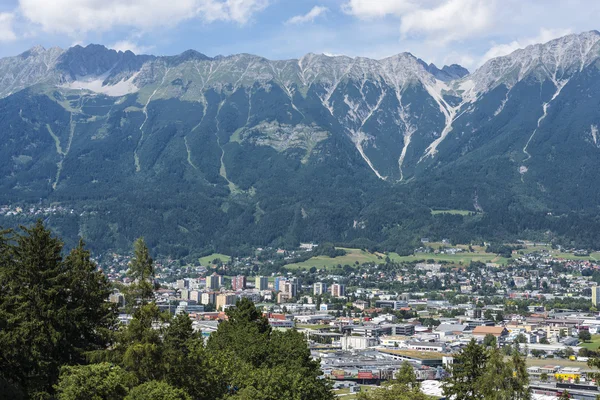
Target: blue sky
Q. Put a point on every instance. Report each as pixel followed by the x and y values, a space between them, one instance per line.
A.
pixel 441 31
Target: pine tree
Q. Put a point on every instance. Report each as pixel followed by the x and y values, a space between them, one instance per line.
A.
pixel 468 367
pixel 496 382
pixel 141 271
pixel 52 310
pixel 520 378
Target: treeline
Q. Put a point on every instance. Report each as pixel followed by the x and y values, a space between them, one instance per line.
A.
pixel 59 337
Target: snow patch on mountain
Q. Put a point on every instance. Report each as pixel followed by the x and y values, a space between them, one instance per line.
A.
pixel 98 85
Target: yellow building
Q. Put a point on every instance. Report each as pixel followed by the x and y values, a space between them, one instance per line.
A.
pixel 224 299
pixel 595 296
pixel 568 374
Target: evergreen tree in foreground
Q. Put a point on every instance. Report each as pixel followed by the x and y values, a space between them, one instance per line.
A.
pixel 480 373
pixel 52 310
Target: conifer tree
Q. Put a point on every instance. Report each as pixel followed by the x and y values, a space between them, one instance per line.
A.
pixel 52 311
pixel 141 271
pixel 468 367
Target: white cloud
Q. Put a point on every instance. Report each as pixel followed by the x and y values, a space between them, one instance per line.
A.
pixel 440 21
pixel 81 16
pixel 544 36
pixel 125 45
pixel 7 33
pixel 451 20
pixel 379 8
pixel 308 17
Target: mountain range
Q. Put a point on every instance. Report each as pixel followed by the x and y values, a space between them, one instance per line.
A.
pixel 200 153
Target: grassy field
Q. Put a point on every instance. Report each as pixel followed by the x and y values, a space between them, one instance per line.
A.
pixel 350 258
pixel 209 259
pixel 346 395
pixel 308 326
pixel 540 362
pixel 594 344
pixel 453 212
pixel 354 255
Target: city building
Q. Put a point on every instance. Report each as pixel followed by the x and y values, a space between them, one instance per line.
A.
pixel 224 300
pixel 290 288
pixel 238 282
pixel 595 296
pixel 208 298
pixel 196 296
pixel 319 288
pixel 277 283
pixel 338 290
pixel 283 297
pixel 392 304
pixel 262 283
pixel 214 281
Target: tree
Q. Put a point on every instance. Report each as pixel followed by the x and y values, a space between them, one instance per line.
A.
pixel 489 315
pixel 141 271
pixel 156 390
pixel 489 340
pixel 544 340
pixel 478 373
pixel 544 377
pixel 585 336
pixel 495 383
pixel 569 351
pixel 394 392
pixel 520 338
pixel 94 382
pixel 538 353
pixel 139 346
pixel 468 367
pixel 565 395
pixel 520 377
pixel 499 317
pixel 406 376
pixel 52 310
pixel 251 361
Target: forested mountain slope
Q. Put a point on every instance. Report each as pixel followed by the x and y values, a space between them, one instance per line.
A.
pixel 196 152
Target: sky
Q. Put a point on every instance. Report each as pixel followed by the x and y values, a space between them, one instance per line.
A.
pixel 466 32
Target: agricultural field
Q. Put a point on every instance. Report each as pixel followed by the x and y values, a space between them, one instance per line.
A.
pixel 208 260
pixel 350 258
pixel 361 256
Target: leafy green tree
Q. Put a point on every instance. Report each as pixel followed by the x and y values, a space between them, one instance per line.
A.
pixel 521 338
pixel 499 316
pixel 52 310
pixel 489 340
pixel 544 377
pixel 468 367
pixel 585 336
pixel 157 390
pixel 94 382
